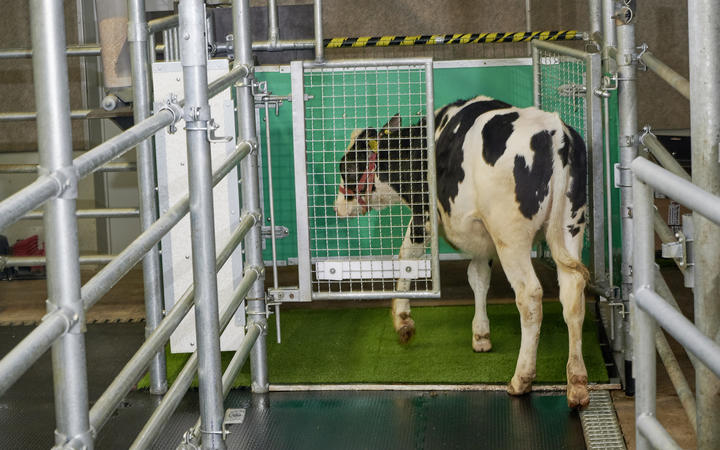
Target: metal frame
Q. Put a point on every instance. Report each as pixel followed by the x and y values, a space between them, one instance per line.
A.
pixel 63 326
pixel 305 262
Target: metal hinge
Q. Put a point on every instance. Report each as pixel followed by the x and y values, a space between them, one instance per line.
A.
pixel 280 232
pixel 285 295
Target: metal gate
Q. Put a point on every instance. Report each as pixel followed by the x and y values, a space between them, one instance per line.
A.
pixel 360 257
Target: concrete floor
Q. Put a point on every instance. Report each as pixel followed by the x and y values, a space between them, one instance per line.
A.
pixel 22 302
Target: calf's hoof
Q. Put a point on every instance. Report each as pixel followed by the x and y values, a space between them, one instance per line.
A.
pixel 482 343
pixel 405 328
pixel 577 392
pixel 520 385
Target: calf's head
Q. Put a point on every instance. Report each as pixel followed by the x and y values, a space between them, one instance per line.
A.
pixel 359 183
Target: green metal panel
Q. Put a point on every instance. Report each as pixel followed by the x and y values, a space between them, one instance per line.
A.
pixel 512 84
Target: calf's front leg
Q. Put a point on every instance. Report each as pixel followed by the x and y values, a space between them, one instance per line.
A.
pixel 402 321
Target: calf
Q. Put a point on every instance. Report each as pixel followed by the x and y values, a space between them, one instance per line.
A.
pixel 504 174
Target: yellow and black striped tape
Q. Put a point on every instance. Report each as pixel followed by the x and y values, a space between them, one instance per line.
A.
pixel 438 39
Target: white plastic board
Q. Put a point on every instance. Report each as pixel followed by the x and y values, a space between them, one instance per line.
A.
pixel 173 185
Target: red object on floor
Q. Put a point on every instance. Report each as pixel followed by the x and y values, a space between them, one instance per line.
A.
pixel 29 247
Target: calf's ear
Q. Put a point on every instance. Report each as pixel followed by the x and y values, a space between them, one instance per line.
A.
pixel 394 122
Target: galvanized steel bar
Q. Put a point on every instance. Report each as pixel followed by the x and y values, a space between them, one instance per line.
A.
pixel 643 279
pixel 225 81
pixel 33 168
pixel 152 272
pixel 162 23
pixel 47 26
pixel 251 191
pixel 677 377
pixel 609 36
pixel 595 15
pixel 273 31
pixel 680 190
pixel 134 369
pixel 30 261
pixel 704 63
pixel 91 213
pixel 318 25
pixel 671 77
pixel 663 156
pixel 71 50
pixel 32 115
pixel 657 436
pixel 193 56
pixel 28 198
pixel 176 392
pixel 563 50
pixel 18 360
pixel 680 328
pixel 627 135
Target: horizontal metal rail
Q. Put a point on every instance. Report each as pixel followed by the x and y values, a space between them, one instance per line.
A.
pixel 663 156
pixel 674 79
pixel 169 403
pixel 133 370
pixel 678 189
pixel 110 213
pixel 79 114
pixel 564 50
pixel 162 23
pixel 656 433
pixel 40 339
pixel 680 328
pixel 33 168
pixel 458 38
pixel 72 50
pixel 31 261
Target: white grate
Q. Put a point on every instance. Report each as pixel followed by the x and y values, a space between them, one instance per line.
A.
pixel 362 254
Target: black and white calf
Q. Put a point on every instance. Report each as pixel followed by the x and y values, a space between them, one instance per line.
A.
pixel 504 174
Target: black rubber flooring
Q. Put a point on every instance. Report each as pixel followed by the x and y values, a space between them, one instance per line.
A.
pixel 293 420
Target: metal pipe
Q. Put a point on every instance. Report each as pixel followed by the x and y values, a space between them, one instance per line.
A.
pixel 643 280
pixel 31 261
pixel 677 378
pixel 595 13
pixel 18 360
pixel 273 239
pixel 557 48
pixel 663 156
pixel 704 63
pixel 90 213
pixel 176 392
pixel 193 49
pixel 134 369
pixel 266 46
pixel 665 234
pixel 319 43
pixel 657 436
pixel 52 97
pixel 273 31
pixel 627 135
pixel 680 190
pixel 674 79
pixel 33 168
pixel 71 50
pixel 250 191
pixel 152 271
pixel 236 363
pixel 32 115
pixel 27 199
pixel 608 203
pixel 594 143
pixel 162 23
pixel 225 81
pixel 680 328
pixel 609 37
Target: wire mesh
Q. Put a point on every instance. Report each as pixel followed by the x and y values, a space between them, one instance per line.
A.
pixel 362 253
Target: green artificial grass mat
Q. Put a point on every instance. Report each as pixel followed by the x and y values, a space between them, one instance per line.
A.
pixel 359 345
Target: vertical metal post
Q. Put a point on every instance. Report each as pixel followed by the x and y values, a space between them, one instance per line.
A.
pixel 319 44
pixel 595 13
pixel 704 30
pixel 273 31
pixel 137 38
pixel 594 140
pixel 193 49
pixel 61 237
pixel 608 28
pixel 627 109
pixel 644 336
pixel 536 76
pixel 256 307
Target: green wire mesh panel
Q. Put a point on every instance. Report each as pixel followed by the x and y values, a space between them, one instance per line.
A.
pixel 361 254
pixel 561 87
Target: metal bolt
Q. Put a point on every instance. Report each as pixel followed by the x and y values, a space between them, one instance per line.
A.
pixel 332 271
pixel 292 295
pixel 408 269
pixel 186 36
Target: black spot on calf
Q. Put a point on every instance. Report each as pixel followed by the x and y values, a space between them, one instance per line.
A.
pixel 532 184
pixel 577 158
pixel 449 148
pixel 495 134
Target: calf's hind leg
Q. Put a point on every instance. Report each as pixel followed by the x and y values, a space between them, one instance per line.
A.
pixel 479 278
pixel 402 322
